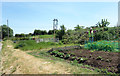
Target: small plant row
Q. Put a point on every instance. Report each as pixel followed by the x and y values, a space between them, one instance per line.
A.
pixel 67 48
pixel 70 56
pixel 102 59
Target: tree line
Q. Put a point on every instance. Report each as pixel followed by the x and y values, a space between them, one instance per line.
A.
pixel 78 35
pixel 36 32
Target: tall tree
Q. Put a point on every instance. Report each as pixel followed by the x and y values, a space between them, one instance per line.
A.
pixel 39 32
pixel 61 32
pixel 103 23
pixel 5 30
pixel 78 27
pixel 50 32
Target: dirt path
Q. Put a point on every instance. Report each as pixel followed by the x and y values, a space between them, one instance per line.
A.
pixel 30 64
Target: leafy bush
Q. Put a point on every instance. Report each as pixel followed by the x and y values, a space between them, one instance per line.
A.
pixel 102 36
pixel 101 45
pixel 72 36
pixel 107 33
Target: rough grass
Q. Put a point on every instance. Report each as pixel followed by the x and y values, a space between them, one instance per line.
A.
pixel 32 45
pixel 46 36
pixel 6 57
pixel 43 36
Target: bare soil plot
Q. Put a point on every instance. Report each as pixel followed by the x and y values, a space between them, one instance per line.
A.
pixel 99 59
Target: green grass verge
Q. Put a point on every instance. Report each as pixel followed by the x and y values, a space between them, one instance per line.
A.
pixel 43 36
pixel 46 36
pixel 32 45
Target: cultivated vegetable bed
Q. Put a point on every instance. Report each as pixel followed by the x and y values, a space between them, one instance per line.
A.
pixel 99 59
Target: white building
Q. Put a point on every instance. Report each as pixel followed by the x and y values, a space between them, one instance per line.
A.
pixel 119 13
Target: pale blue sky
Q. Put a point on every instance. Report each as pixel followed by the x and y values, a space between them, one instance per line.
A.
pixel 24 17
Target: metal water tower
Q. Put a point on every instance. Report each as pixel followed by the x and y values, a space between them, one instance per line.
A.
pixel 55 24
